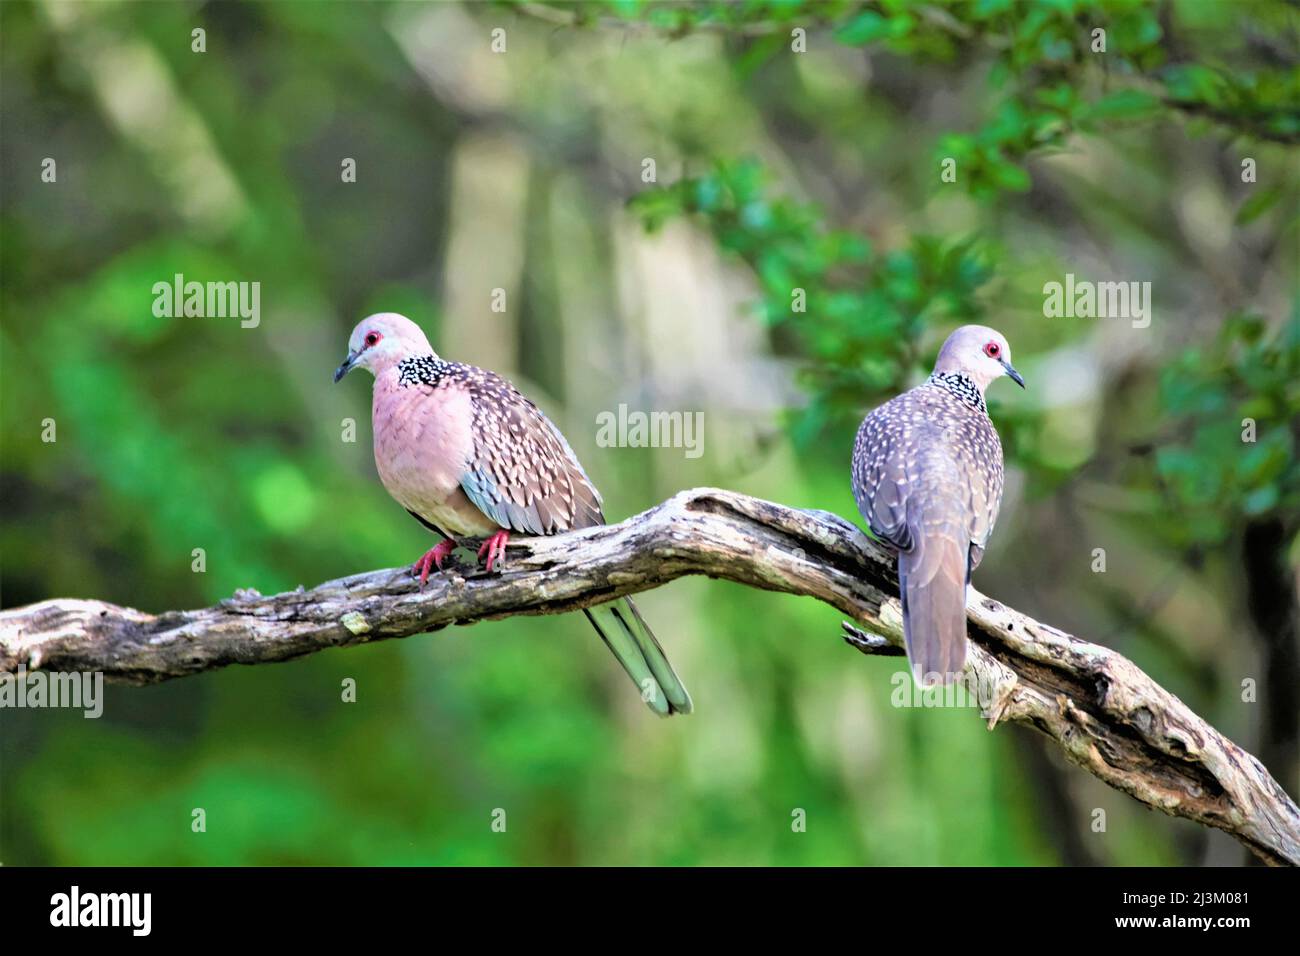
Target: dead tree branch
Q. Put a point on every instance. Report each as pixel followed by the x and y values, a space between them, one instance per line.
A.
pixel 1106 714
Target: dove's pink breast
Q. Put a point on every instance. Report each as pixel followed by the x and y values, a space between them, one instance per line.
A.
pixel 423 442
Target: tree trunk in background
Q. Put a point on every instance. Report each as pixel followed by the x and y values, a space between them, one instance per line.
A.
pixel 1274 610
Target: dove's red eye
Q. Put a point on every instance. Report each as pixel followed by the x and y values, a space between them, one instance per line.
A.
pixel 372 338
pixel 992 350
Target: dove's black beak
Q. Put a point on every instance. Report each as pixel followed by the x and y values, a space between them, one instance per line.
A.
pixel 346 367
pixel 1011 373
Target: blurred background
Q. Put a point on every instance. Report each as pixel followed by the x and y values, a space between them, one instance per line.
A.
pixel 649 185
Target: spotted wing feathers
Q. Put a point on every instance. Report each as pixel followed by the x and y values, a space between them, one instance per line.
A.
pixel 927 477
pixel 522 473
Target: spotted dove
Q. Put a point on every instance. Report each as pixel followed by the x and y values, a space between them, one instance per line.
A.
pixel 927 477
pixel 471 458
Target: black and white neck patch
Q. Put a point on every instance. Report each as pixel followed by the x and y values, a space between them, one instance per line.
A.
pixel 961 386
pixel 422 370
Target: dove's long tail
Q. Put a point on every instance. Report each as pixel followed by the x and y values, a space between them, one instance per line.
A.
pixel 625 632
pixel 932 579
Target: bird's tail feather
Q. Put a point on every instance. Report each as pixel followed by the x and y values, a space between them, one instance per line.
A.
pixel 932 580
pixel 625 632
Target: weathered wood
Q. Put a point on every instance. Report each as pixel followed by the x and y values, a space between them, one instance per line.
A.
pixel 1105 713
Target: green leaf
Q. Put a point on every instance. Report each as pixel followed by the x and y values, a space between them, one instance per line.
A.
pixel 866 27
pixel 1008 175
pixel 1260 500
pixel 1260 202
pixel 1124 104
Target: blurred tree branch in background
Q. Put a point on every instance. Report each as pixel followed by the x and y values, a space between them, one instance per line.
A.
pixel 1044 55
pixel 1105 713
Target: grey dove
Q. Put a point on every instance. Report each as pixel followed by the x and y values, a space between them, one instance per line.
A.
pixel 927 477
pixel 471 458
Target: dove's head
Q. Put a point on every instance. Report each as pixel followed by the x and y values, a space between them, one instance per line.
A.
pixel 980 353
pixel 382 340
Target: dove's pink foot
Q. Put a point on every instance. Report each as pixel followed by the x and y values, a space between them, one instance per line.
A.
pixel 495 547
pixel 433 558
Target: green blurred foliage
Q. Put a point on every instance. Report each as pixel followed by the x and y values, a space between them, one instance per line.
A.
pixel 854 314
pixel 1245 388
pixel 1049 80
